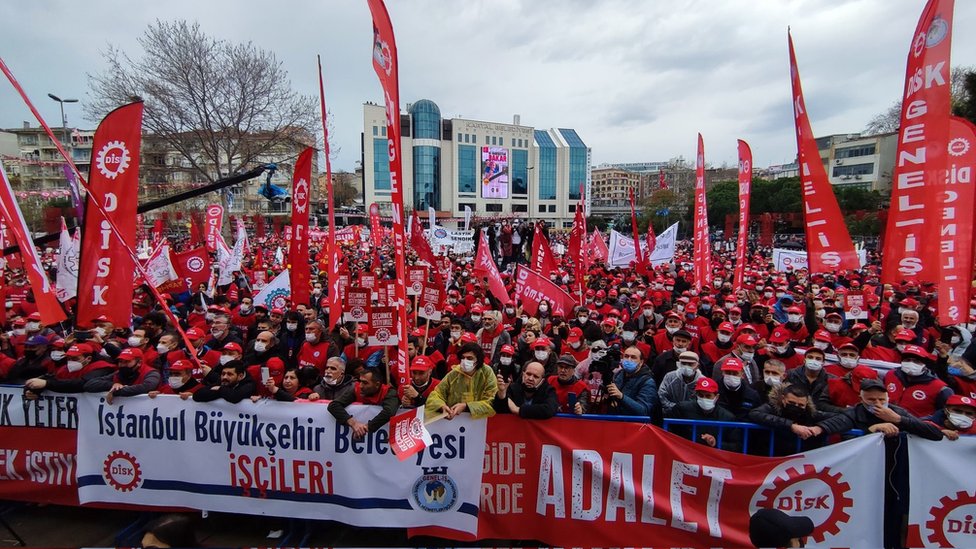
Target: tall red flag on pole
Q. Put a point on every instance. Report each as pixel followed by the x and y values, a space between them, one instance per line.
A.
pixel 578 251
pixel 485 266
pixel 543 261
pixel 829 246
pixel 661 182
pixel 45 296
pixel 331 244
pixel 910 251
pixel 703 248
pixel 956 240
pixel 639 258
pixel 745 186
pixel 385 65
pixel 299 271
pixel 105 272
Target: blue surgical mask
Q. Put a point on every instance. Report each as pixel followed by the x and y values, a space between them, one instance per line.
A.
pixel 628 365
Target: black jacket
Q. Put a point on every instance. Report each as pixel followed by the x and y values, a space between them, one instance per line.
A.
pixel 860 418
pixel 231 393
pixel 539 404
pixel 818 389
pixel 689 409
pixel 390 406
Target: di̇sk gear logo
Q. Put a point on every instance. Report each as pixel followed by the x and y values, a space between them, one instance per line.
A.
pixel 951 523
pixel 113 159
pixel 958 146
pixel 122 472
pixel 818 494
pixel 194 264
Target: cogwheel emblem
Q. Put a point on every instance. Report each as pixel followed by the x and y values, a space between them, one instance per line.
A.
pixel 958 146
pixel 113 159
pixel 122 472
pixel 818 494
pixel 951 524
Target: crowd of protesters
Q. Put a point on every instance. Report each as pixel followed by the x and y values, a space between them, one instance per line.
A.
pixel 780 351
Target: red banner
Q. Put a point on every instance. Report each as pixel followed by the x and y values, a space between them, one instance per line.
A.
pixel 703 249
pixel 633 227
pixel 485 266
pixel 829 246
pixel 956 234
pixel 419 242
pixel 920 160
pixel 543 261
pixel 39 465
pixel 300 272
pixel 381 329
pixel 578 249
pixel 430 302
pixel 745 186
pixel 375 228
pixel 385 65
pixel 214 224
pixel 105 272
pixel 45 295
pixel 662 183
pixel 532 289
pixel 332 245
pixel 193 266
pixel 598 248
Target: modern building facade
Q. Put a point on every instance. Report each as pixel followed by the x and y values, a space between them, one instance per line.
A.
pixel 855 160
pixel 495 169
pixel 610 193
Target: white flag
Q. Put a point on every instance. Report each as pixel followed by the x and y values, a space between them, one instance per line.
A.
pixel 159 268
pixel 230 262
pixel 467 217
pixel 622 248
pixel 274 294
pixel 67 282
pixel 279 256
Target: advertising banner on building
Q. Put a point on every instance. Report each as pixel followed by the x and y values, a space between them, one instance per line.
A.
pixel 280 459
pixel 494 172
pixel 943 496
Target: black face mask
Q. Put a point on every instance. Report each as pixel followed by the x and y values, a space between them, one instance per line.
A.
pixel 794 413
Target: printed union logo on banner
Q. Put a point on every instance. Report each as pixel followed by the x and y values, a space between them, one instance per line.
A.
pixel 819 494
pixel 194 264
pixel 122 472
pixel 113 159
pixel 435 491
pixel 951 522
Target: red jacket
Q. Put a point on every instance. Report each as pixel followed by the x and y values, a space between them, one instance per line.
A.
pixel 922 397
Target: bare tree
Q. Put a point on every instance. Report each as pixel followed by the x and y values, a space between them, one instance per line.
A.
pixel 890 119
pixel 222 106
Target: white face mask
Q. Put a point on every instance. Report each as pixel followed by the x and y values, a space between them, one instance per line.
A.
pixel 686 371
pixel 541 354
pixel 224 359
pixel 245 308
pixel 100 331
pixel 20 331
pixel 33 326
pixel 732 382
pixel 543 308
pixel 582 319
pixel 671 329
pixel 162 349
pixel 361 342
pixel 505 360
pixel 476 318
pixel 175 382
pixel 832 327
pixel 291 326
pixel 848 362
pixel 576 344
pixel 57 355
pixel 772 381
pixel 724 338
pixel 961 421
pixel 628 336
pixel 456 335
pixel 134 341
pixel 955 340
pixel 648 312
pixel 597 355
pixel 746 356
pixel 794 318
pixel 813 364
pixel 821 313
pixel 707 404
pixel 822 345
pixel 679 350
pixel 467 365
pixel 260 347
pixel 311 338
pixel 912 368
pixel 75 365
pixel 901 347
pixel 782 349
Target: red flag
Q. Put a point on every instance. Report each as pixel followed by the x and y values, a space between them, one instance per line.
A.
pixel 385 65
pixel 633 228
pixel 661 181
pixel 485 266
pixel 651 243
pixel 921 156
pixel 703 249
pixel 215 221
pixel 745 186
pixel 408 434
pixel 375 228
pixel 45 296
pixel 956 233
pixel 419 242
pixel 597 247
pixel 105 272
pixel 543 260
pixel 578 248
pixel 332 244
pixel 157 232
pixel 299 271
pixel 193 266
pixel 829 245
pixel 532 289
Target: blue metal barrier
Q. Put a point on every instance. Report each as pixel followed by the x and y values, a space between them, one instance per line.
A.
pixel 746 428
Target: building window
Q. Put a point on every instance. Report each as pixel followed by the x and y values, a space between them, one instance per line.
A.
pixel 547 166
pixel 376 131
pixel 853 170
pixel 520 171
pixel 487 140
pixel 459 137
pixel 467 168
pixel 381 165
pixel 426 177
pixel 461 206
pixel 572 208
pixel 425 119
pixel 852 152
pixel 520 208
pixel 577 162
pixel 383 131
pixel 567 224
pixel 542 208
pixel 493 207
pixel 552 208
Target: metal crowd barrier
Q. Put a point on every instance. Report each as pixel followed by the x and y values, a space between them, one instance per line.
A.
pixel 746 429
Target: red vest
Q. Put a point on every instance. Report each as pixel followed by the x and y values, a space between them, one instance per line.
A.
pixel 144 370
pixel 314 355
pixel 918 399
pixel 375 399
pixel 562 392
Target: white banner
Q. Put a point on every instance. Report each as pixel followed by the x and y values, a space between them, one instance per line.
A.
pixel 942 506
pixel 278 459
pixel 275 293
pixel 622 248
pixel 67 280
pixel 783 258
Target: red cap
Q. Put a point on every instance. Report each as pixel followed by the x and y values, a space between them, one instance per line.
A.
pixel 507 350
pixel 233 347
pixel 101 318
pixel 575 334
pixel 468 337
pixel 905 335
pixel 421 363
pixel 477 308
pixel 915 350
pixel 779 335
pixel 849 345
pixel 131 353
pixel 834 314
pixel 732 364
pixel 794 310
pixel 601 294
pixel 275 365
pixel 195 333
pixel 34 316
pixel 277 311
pixel 707 385
pixel 859 326
pixel 746 339
pixel 79 349
pixel 542 342
pixel 909 302
pixel 609 322
pixel 180 366
pixel 822 335
pixel 959 400
pixel 726 327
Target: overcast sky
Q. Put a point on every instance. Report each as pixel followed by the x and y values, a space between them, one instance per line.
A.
pixel 636 79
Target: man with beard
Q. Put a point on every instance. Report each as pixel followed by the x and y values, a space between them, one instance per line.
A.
pixel 235 385
pixel 421 384
pixel 572 393
pixel 132 378
pixel 791 413
pixel 335 382
pixel 533 398
pixel 370 389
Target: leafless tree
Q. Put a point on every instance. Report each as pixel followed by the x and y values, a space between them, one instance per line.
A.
pixel 223 106
pixel 890 119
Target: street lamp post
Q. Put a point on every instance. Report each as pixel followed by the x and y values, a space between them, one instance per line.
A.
pixel 64 119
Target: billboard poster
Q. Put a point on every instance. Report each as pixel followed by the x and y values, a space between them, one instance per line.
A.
pixel 494 172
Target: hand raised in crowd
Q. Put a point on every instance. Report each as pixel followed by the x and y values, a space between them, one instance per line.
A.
pixel 887 429
pixel 875 327
pixel 942 348
pixel 270 384
pixel 502 386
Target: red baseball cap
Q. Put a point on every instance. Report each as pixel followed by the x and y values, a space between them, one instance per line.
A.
pixel 195 333
pixel 421 363
pixel 905 335
pixel 79 349
pixel 746 339
pixel 130 353
pixel 959 400
pixel 822 335
pixel 915 350
pixel 779 335
pixel 180 366
pixel 507 350
pixel 732 364
pixel 468 337
pixel 707 385
pixel 726 327
pixel 233 347
pixel 542 342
